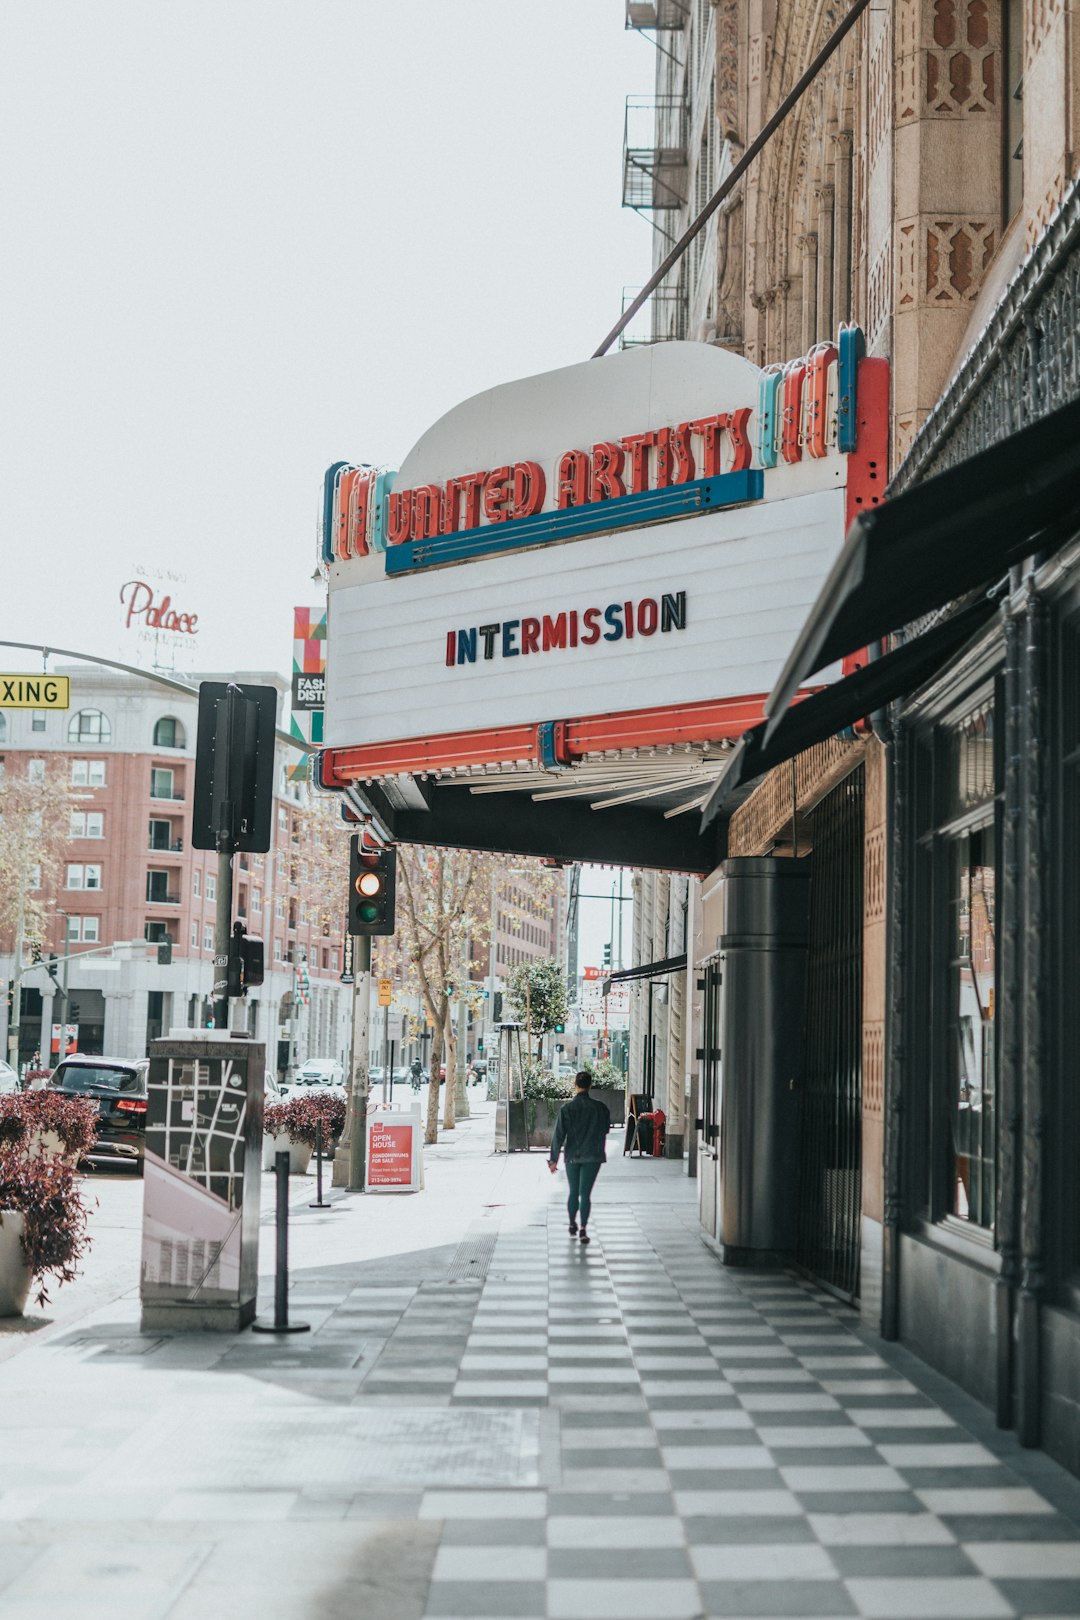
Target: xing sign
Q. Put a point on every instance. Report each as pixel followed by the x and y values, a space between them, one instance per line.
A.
pixel 35 692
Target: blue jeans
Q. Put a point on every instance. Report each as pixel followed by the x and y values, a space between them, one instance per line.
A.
pixel 581 1178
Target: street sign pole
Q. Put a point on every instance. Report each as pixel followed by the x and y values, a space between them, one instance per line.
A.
pixel 349 1159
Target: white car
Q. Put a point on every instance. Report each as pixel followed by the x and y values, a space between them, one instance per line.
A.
pixel 319 1072
pixel 9 1080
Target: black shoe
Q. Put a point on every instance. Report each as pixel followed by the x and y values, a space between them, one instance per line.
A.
pixel 584 1235
pixel 573 1228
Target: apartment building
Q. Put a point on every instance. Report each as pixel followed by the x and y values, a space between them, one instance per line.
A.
pixel 130 882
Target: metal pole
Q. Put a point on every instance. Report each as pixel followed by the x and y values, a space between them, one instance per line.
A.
pixel 349 1160
pixel 461 1093
pixel 320 1201
pixel 65 999
pixel 222 939
pixel 16 990
pixel 385 1052
pixel 281 1323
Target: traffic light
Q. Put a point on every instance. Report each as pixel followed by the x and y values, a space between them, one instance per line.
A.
pixel 245 965
pixel 607 955
pixel 372 884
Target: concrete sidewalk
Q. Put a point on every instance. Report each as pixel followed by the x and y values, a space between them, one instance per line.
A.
pixel 489 1420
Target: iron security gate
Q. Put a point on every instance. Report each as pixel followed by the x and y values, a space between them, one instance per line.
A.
pixel 829 1187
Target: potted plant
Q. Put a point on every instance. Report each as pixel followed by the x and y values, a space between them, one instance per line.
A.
pixel 290 1127
pixel 48 1122
pixel 532 1116
pixel 43 1224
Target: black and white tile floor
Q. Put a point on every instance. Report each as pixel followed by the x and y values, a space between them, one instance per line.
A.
pixel 627 1431
pixel 728 1447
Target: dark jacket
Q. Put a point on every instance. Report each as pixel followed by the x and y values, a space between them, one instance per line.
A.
pixel 582 1126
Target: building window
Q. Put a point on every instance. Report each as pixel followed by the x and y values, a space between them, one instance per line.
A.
pixel 157 888
pixel 161 784
pixel 282 818
pixel 279 907
pixel 35 878
pixel 168 732
pixel 88 773
pixel 961 959
pixel 90 932
pixel 87 824
pixel 211 885
pixel 83 877
pixel 194 936
pixel 278 953
pixel 195 878
pixel 208 938
pixel 156 933
pixel 160 834
pixel 89 725
pixel 37 720
pixel 256 901
pixel 35 770
pixel 3 728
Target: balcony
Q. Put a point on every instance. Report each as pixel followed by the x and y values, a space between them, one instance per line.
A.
pixel 173 796
pixel 167 846
pixel 655 153
pixel 662 319
pixel 666 16
pixel 163 899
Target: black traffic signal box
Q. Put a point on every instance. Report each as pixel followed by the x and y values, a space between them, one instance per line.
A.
pixel 245 966
pixel 372 887
pixel 234 767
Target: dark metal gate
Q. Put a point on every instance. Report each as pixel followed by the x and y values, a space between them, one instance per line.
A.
pixel 830 1135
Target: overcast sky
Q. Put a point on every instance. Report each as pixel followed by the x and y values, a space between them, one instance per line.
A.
pixel 244 240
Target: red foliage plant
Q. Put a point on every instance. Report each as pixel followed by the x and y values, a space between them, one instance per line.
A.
pixel 47 1192
pixel 299 1117
pixel 73 1119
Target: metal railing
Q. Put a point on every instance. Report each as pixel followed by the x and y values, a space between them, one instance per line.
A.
pixel 655 153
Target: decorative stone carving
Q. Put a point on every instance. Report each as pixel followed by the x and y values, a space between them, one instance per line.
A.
pixel 958 252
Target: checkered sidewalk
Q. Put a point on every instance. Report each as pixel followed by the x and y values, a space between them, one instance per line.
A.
pixel 726 1447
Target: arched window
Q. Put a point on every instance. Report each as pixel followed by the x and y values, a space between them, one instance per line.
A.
pixel 169 733
pixel 89 726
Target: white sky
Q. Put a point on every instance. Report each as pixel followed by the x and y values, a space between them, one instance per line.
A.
pixel 244 240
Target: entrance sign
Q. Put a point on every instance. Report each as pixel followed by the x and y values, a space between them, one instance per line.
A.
pixel 35 692
pixel 395 1153
pixel 610 556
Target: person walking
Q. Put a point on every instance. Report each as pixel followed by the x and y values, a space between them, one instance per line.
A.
pixel 581 1132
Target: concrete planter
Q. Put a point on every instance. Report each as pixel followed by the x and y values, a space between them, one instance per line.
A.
pixel 299 1152
pixel 15 1276
pixel 614 1100
pixel 532 1122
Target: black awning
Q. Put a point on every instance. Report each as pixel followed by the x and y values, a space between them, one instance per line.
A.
pixel 645 970
pixel 844 702
pixel 934 543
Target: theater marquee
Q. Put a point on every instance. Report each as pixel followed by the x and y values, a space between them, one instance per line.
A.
pixel 618 554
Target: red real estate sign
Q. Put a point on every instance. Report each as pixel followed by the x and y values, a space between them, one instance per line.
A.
pixel 392 1152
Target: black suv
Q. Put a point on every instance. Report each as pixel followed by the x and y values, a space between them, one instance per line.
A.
pixel 118 1085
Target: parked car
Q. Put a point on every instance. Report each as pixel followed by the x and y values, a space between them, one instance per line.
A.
pixel 119 1087
pixel 272 1092
pixel 9 1080
pixel 320 1072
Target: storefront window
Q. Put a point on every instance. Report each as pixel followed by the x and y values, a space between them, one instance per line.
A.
pixel 972 1081
pixel 968 873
